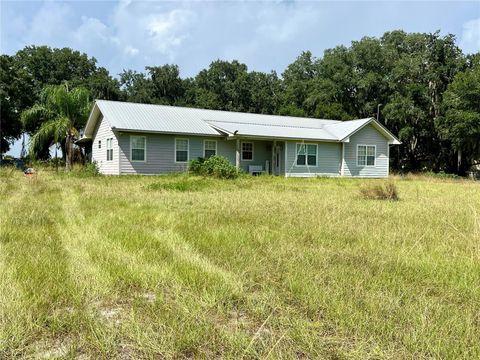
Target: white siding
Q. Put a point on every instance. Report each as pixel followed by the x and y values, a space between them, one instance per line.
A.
pixel 367 136
pixel 103 132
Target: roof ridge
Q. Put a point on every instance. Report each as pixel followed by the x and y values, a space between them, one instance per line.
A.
pixel 276 125
pixel 221 111
pixel 347 121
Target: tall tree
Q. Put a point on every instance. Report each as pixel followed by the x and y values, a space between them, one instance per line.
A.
pixel 264 92
pixel 137 87
pixel 167 85
pixel 25 74
pixel 422 67
pixel 332 95
pixel 298 80
pixel 461 123
pixel 223 86
pixel 65 112
pixel 101 85
pixel 49 66
pixel 16 87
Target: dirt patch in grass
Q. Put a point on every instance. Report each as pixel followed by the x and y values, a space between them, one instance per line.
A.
pixel 52 348
pixel 149 297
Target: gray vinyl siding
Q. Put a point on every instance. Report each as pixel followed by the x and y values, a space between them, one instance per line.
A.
pixel 367 136
pixel 160 153
pixel 329 158
pixel 103 132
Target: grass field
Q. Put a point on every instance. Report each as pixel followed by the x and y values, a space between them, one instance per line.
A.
pixel 183 267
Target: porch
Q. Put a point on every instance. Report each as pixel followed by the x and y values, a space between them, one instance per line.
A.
pixel 258 157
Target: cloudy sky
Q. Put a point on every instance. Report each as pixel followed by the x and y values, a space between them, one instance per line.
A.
pixel 264 35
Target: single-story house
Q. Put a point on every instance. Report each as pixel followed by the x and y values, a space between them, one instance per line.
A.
pixel 130 138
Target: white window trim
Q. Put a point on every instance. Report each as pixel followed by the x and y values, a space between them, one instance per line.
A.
pixel 204 141
pixel 188 151
pixel 144 150
pixel 253 150
pixel 374 157
pixel 306 155
pixel 109 140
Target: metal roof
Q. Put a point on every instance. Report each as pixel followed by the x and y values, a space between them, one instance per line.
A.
pixel 345 128
pixel 182 120
pixel 272 131
pixel 158 118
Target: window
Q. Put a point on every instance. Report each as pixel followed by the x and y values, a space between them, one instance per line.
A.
pixel 366 155
pixel 306 155
pixel 181 150
pixel 110 149
pixel 138 148
pixel 209 148
pixel 247 151
pixel 99 144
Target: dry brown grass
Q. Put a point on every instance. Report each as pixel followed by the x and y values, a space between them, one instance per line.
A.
pixel 385 190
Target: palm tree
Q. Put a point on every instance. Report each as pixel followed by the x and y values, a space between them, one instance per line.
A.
pixel 61 113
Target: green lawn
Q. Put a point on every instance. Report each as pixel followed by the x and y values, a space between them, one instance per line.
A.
pixel 179 267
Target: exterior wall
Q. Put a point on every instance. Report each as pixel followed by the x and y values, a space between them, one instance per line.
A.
pixel 366 136
pixel 102 132
pixel 329 159
pixel 160 153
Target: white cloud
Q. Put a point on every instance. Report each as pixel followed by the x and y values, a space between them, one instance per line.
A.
pixel 92 30
pixel 48 25
pixel 470 40
pixel 130 50
pixel 168 30
pixel 155 30
pixel 292 22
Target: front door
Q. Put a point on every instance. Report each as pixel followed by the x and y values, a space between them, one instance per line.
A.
pixel 277 160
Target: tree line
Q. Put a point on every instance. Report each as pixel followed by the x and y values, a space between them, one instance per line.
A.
pixel 421 86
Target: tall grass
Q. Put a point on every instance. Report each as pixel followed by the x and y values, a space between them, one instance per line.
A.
pixel 386 190
pixel 177 267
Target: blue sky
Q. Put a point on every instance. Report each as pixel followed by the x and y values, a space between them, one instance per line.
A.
pixel 265 35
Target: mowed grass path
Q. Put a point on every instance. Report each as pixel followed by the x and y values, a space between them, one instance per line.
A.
pixel 181 267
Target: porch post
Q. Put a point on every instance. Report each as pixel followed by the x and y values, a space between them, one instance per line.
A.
pixel 342 165
pixel 272 166
pixel 237 155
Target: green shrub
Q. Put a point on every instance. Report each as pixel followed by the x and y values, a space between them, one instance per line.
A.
pixel 87 170
pixel 442 175
pixel 380 191
pixel 195 166
pixel 215 166
pixel 91 169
